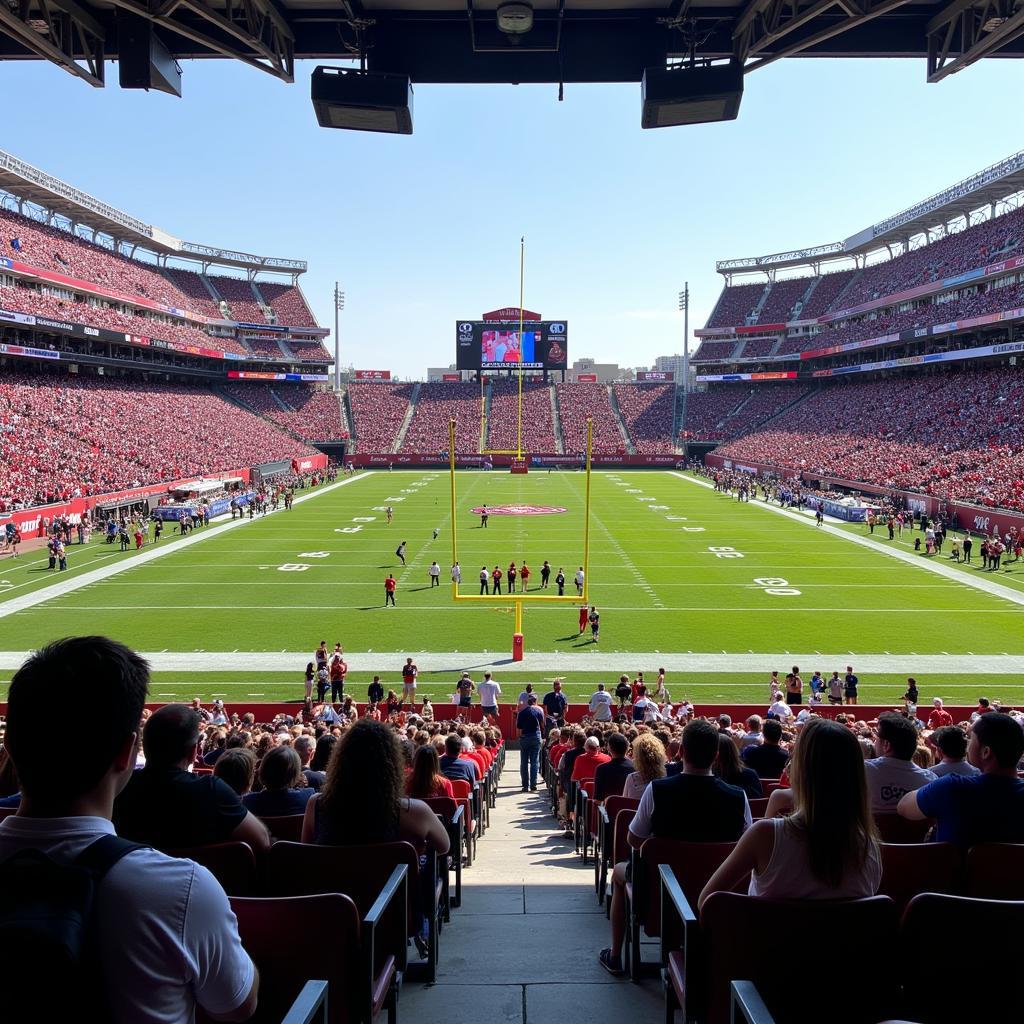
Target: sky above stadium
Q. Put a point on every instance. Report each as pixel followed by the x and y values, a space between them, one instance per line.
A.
pixel 424 230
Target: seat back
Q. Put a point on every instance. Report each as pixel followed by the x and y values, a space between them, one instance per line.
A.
pixel 443 806
pixel 587 785
pixel 6 812
pixel 894 828
pixel 614 804
pixel 461 788
pixel 693 864
pixel 995 871
pixel 986 933
pixel 620 845
pixel 758 806
pixel 232 864
pixel 285 826
pixel 295 938
pixel 747 937
pixel 912 868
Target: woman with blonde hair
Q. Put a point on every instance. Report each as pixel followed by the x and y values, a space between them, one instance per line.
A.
pixel 649 762
pixel 828 847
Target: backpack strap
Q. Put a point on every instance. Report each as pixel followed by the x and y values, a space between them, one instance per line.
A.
pixel 100 856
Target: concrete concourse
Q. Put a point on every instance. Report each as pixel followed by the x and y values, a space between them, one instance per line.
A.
pixel 523 947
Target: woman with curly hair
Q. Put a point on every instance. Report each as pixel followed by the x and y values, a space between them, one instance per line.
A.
pixel 649 762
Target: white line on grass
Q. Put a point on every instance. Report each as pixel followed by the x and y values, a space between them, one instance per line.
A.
pixel 613 663
pixel 985 586
pixel 38 597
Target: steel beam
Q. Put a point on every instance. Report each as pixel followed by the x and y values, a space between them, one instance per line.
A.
pixel 59 31
pixel 966 31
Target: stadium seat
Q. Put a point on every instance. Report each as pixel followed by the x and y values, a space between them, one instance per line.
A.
pixel 607 814
pixel 894 828
pixel 233 864
pixel 331 938
pixel 977 983
pixel 912 868
pixel 285 826
pixel 995 871
pixel 452 815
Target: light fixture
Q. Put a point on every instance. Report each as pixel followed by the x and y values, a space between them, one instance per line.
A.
pixel 363 101
pixel 515 18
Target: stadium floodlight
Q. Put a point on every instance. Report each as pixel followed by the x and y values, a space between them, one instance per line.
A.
pixel 339 305
pixel 362 101
pixel 684 308
pixel 688 94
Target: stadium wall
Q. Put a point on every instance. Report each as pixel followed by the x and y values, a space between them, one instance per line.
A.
pixel 978 518
pixel 371 461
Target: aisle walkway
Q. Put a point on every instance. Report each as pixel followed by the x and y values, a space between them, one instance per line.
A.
pixel 523 947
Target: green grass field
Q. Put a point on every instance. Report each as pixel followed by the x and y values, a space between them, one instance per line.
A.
pixel 718 592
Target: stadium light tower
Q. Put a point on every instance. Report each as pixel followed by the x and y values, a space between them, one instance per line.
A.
pixel 339 305
pixel 684 306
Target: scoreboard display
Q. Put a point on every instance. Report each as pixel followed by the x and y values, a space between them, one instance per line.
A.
pixel 493 345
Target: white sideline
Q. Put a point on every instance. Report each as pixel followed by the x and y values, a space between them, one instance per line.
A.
pixel 986 586
pixel 59 589
pixel 559 663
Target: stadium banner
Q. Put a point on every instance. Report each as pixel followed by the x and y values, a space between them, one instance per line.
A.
pixel 33 522
pixel 761 329
pixel 309 463
pixel 9 316
pixel 261 328
pixel 510 313
pixel 717 332
pixel 772 375
pixel 586 378
pixel 653 376
pixel 373 375
pixel 451 377
pixel 31 353
pixel 839 510
pixel 539 459
pixel 172 513
pixel 309 378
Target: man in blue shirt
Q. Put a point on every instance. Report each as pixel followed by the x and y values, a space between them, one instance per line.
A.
pixel 452 765
pixel 554 706
pixel 530 723
pixel 985 808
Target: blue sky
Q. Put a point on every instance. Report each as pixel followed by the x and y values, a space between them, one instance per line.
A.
pixel 423 230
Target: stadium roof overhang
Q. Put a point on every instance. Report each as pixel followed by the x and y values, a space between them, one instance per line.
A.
pixel 459 40
pixel 986 188
pixel 34 186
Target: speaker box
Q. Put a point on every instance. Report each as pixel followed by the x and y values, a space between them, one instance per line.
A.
pixel 362 101
pixel 143 60
pixel 685 95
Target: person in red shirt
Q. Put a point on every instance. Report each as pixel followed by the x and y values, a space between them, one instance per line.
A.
pixel 524 576
pixel 496 580
pixel 584 612
pixel 556 748
pixel 390 584
pixel 939 718
pixel 587 762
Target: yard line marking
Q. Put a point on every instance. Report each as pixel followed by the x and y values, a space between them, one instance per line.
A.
pixel 985 586
pixel 145 556
pixel 565 663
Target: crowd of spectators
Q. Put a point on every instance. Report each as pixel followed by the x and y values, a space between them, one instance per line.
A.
pixel 308 351
pixel 648 410
pixel 243 304
pixel 826 291
pixel 757 348
pixel 378 410
pixel 98 314
pixel 778 307
pixel 502 416
pixel 736 304
pixel 67 436
pixel 288 304
pixel 438 403
pixel 577 402
pixel 706 411
pixel 309 411
pixel 264 348
pixel 955 434
pixel 198 296
pixel 711 351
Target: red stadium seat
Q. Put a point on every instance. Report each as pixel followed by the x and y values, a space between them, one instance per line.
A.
pixel 232 864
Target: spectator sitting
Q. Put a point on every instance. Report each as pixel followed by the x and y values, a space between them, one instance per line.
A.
pixel 753 737
pixel 892 772
pixel 610 778
pixel 237 768
pixel 453 765
pixel 951 743
pixel 826 849
pixel 767 759
pixel 425 781
pixel 983 808
pixel 167 939
pixel 585 765
pixel 168 807
pixel 939 718
pixel 305 747
pixel 729 768
pixel 649 759
pixel 281 775
pixel 694 807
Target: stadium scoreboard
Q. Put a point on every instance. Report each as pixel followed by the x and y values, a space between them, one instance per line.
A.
pixel 496 345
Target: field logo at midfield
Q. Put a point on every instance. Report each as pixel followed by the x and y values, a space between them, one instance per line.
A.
pixel 519 510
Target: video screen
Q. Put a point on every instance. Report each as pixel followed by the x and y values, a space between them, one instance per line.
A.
pixel 483 345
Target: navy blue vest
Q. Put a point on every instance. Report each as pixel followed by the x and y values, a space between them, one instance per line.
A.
pixel 697 809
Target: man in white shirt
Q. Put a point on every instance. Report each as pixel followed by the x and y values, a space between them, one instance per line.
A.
pixel 601 704
pixel 892 773
pixel 579 581
pixel 781 710
pixel 489 691
pixel 456 574
pixel 167 939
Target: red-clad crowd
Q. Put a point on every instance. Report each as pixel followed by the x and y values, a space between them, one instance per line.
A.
pixel 437 404
pixel 288 304
pixel 65 436
pixel 577 402
pixel 308 351
pixel 96 313
pixel 242 302
pixel 778 307
pixel 305 409
pixel 378 410
pixel 757 348
pixel 537 432
pixel 198 295
pixel 729 411
pixel 710 351
pixel 956 434
pixel 264 348
pixel 736 304
pixel 648 411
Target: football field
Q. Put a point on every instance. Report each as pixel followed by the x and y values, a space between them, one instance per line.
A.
pixel 715 591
